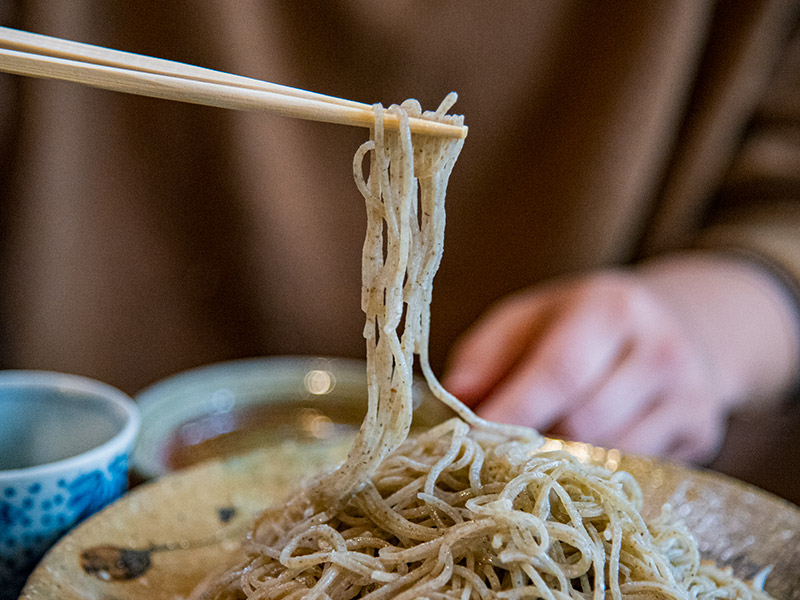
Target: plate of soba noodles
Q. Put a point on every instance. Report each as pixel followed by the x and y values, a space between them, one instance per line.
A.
pixel 165 538
pixel 465 509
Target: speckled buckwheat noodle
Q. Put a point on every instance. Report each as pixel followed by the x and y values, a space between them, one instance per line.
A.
pixel 469 508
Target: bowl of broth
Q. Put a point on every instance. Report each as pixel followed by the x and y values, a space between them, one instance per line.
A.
pixel 235 407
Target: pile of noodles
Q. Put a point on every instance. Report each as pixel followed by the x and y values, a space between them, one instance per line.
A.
pixel 468 509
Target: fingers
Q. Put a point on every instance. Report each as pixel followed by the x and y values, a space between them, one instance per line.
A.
pixel 574 352
pixel 492 347
pixel 686 431
pixel 617 402
pixel 647 368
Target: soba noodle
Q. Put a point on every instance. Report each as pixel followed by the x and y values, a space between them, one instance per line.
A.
pixel 468 509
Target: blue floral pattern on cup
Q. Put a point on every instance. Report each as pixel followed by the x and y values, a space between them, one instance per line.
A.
pixel 34 515
pixel 92 491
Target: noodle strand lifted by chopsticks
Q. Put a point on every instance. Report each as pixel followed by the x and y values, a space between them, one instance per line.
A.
pixel 468 509
pixel 404 196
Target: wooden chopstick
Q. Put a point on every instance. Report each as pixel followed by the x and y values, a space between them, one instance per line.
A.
pixel 14 39
pixel 34 55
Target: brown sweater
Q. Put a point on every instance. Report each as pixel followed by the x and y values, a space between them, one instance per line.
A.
pixel 141 236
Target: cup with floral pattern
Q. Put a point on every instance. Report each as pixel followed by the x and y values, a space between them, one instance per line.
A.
pixel 64 447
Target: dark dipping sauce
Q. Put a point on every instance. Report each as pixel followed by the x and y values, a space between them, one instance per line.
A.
pixel 242 430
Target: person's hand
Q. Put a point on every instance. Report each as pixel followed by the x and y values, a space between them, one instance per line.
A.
pixel 596 359
pixel 615 359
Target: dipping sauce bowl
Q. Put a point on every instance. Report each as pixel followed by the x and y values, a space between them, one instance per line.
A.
pixel 230 408
pixel 65 441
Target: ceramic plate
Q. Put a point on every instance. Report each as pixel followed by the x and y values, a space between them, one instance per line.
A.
pixel 163 537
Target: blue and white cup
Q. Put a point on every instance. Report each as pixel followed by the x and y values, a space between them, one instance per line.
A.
pixel 64 447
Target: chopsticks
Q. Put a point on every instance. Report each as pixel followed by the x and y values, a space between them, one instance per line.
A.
pixel 24 53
